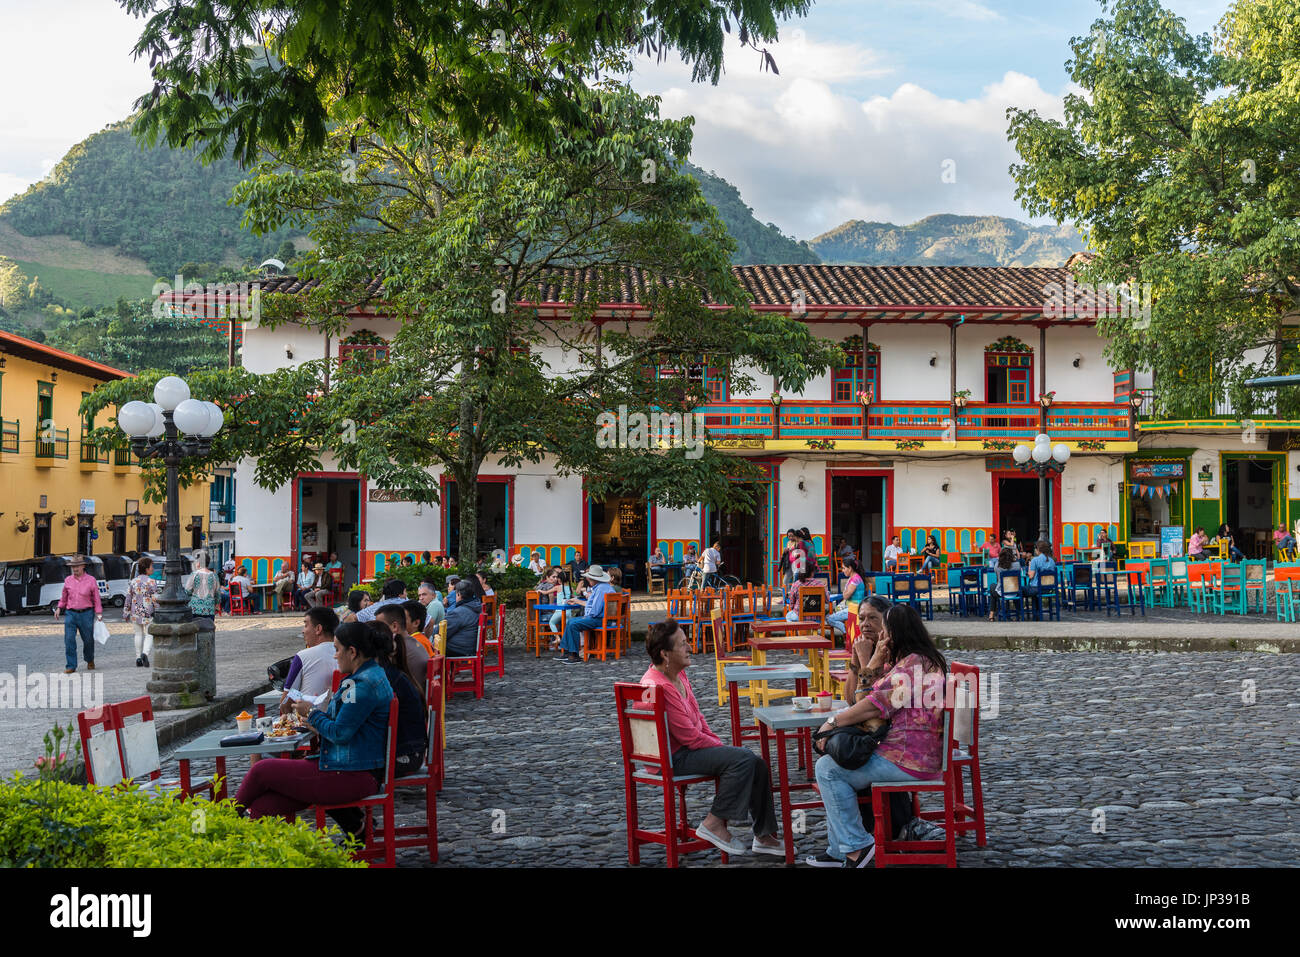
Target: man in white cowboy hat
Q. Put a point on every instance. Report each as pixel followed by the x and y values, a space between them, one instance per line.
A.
pixel 80 601
pixel 592 611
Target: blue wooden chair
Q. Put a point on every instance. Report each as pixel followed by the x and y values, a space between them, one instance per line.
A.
pixel 971 596
pixel 1106 589
pixel 1082 581
pixel 1048 591
pixel 1011 593
pixel 923 594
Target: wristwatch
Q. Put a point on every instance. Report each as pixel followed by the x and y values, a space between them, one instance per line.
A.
pixel 832 721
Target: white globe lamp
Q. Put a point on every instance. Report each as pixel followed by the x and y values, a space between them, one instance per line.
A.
pixel 170 392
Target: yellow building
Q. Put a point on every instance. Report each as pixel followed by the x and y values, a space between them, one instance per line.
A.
pixel 58 496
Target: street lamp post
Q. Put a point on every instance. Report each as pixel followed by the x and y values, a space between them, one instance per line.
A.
pixel 155 431
pixel 1043 458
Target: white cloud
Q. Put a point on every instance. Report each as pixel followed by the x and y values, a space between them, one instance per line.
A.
pixel 808 155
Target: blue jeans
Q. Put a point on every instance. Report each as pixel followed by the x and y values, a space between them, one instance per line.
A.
pixel 839 789
pixel 556 619
pixel 837 619
pixel 1236 553
pixel 572 640
pixel 78 621
pixel 930 562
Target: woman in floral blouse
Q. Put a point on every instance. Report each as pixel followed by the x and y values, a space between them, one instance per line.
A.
pixel 908 679
pixel 203 589
pixel 141 602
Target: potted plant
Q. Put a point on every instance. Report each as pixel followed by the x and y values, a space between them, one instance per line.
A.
pixel 960 398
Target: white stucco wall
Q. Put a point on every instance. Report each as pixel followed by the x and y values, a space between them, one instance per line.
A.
pixel 798 509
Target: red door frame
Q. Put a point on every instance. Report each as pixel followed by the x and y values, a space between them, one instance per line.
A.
pixel 887 518
pixel 444 500
pixel 1053 483
pixel 294 536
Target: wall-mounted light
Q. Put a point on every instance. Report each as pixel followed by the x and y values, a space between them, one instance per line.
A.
pixel 548 485
pixel 54 376
pixel 802 486
pixel 947 482
pixel 1078 359
pixel 288 351
pixel 1092 485
pixel 934 358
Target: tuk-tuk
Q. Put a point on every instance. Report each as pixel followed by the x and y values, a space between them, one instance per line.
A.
pixel 117 573
pixel 38 582
pixel 159 562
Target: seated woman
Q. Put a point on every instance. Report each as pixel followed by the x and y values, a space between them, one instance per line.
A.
pixel 1196 546
pixel 871 623
pixel 745 788
pixel 911 750
pixel 855 589
pixel 1007 562
pixel 412 716
pixel 794 609
pixel 1235 554
pixel 353 733
pixel 1042 562
pixel 552 590
pixel 1105 544
pixel 358 598
pixel 931 553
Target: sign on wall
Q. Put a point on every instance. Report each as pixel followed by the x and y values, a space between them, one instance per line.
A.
pixel 87 506
pixel 391 495
pixel 1148 472
pixel 1171 541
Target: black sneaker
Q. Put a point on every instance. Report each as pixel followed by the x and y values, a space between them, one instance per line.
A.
pixel 562 656
pixel 864 860
pixel 145 659
pixel 139 661
pixel 824 860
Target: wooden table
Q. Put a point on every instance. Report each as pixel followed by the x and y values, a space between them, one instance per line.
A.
pixel 209 746
pixel 807 636
pixel 910 564
pixel 756 675
pixel 268 699
pixel 564 620
pixel 777 721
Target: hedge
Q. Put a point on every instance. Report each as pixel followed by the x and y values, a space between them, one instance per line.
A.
pixel 54 824
pixel 511 586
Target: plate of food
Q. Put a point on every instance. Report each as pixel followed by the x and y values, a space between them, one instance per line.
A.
pixel 287 726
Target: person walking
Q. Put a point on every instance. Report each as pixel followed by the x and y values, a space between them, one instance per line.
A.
pixel 141 603
pixel 80 601
pixel 204 590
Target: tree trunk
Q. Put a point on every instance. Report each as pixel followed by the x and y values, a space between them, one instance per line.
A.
pixel 466 475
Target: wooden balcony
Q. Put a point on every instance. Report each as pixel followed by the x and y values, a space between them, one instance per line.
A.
pixel 928 422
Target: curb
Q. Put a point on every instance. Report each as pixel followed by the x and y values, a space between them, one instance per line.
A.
pixel 1273 646
pixel 199 718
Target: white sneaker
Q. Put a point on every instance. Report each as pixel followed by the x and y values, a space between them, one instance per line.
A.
pixel 776 851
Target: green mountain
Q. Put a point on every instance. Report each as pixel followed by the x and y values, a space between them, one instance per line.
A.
pixel 755 242
pixel 155 206
pixel 948 240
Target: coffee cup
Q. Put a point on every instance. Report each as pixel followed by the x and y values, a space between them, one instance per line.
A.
pixel 244 721
pixel 801 704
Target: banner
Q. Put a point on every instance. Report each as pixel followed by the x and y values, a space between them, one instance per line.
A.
pixel 1155 473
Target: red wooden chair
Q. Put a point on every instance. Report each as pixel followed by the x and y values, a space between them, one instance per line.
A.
pixel 607 639
pixel 453 668
pixel 495 641
pixel 970 817
pixel 238 600
pixel 99 746
pixel 430 776
pixel 384 844
pixel 958 722
pixel 647 760
pixel 137 741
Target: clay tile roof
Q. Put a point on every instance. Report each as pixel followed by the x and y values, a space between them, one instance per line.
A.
pixel 1009 287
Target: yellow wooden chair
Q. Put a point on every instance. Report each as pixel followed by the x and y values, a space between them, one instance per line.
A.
pixel 722 654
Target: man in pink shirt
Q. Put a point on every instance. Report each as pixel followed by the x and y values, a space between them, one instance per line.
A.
pixel 80 601
pixel 745 787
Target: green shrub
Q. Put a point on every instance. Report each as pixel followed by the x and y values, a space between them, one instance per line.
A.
pixel 510 585
pixel 54 824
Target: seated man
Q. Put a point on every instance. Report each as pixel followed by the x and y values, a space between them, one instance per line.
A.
pixel 745 788
pixel 394 593
pixel 282 585
pixel 892 553
pixel 312 670
pixel 593 609
pixel 411 654
pixel 434 611
pixel 462 621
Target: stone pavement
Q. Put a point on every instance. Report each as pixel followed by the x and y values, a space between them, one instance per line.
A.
pixel 34 643
pixel 1090 760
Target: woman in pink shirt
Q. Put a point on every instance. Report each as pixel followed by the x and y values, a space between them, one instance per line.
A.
pixel 746 784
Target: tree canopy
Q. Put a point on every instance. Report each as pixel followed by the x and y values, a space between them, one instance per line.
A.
pixel 1179 160
pixel 242 76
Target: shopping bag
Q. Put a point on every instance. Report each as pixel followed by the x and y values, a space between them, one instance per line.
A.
pixel 101 632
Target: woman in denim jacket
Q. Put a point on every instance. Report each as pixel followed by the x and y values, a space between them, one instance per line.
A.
pixel 353 736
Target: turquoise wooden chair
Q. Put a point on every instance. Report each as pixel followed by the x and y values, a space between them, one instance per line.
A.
pixel 1256 585
pixel 1157 586
pixel 1227 590
pixel 1178 587
pixel 1284 596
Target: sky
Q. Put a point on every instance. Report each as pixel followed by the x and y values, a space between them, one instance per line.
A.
pixel 875 100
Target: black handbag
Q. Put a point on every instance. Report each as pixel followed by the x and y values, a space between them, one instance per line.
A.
pixel 278 672
pixel 850 747
pixel 242 739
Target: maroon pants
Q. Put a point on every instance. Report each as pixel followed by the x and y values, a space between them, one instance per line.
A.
pixel 284 786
